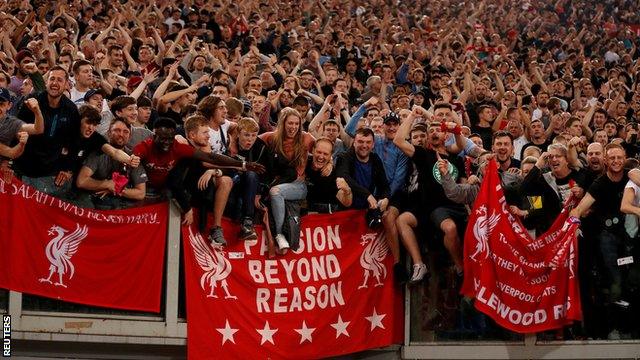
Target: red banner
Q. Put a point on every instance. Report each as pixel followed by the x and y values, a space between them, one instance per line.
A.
pixel 336 289
pixel 526 285
pixel 51 248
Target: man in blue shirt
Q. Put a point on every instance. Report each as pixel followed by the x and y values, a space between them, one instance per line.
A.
pixel 395 162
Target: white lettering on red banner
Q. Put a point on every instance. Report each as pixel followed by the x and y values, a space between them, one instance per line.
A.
pixel 526 285
pixel 333 288
pixel 55 249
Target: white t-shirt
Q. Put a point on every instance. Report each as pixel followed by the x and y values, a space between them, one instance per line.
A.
pixel 216 141
pixel 630 220
pixel 517 146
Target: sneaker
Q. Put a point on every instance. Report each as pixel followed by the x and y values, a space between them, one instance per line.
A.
pixel 282 242
pixel 419 272
pixel 216 237
pixel 399 274
pixel 246 230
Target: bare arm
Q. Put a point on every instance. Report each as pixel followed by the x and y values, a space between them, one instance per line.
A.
pixel 627 206
pixel 86 182
pixel 136 193
pixel 12 152
pixel 400 140
pixel 118 154
pixel 38 126
pixel 584 205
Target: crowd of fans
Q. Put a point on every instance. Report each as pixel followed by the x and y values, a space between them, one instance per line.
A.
pixel 394 107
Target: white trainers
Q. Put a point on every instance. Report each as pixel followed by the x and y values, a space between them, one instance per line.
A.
pixel 282 242
pixel 419 271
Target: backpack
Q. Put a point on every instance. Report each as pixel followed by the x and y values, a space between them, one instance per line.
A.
pixel 291 226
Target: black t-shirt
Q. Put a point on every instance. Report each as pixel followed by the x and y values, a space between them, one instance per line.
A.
pixel 429 178
pixel 172 115
pixel 486 134
pixel 320 189
pixel 82 147
pixel 608 196
pixel 542 147
pixel 514 164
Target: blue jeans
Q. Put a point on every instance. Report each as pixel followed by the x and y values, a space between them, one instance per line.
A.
pixel 611 247
pixel 246 185
pixel 46 184
pixel 296 190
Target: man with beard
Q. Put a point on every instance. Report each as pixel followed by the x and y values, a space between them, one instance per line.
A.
pixel 96 175
pixel 548 191
pixel 395 162
pixel 90 141
pixel 502 147
pixel 324 189
pixel 43 164
pixel 114 60
pixel 364 173
pixel 542 112
pixel 126 107
pixel 481 96
pixel 611 128
pixel 83 77
pixel 432 206
pixel 606 192
pixel 537 137
pixel 595 162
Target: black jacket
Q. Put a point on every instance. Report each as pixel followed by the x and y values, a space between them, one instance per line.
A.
pixel 539 191
pixel 345 168
pixel 48 153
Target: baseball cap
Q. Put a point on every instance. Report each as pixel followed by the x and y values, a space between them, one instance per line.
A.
pixel 23 54
pixel 391 117
pixel 5 95
pixel 92 92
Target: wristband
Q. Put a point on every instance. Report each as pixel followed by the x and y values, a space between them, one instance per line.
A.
pixel 244 165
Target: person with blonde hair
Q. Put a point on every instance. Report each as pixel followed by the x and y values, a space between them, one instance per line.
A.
pixel 248 146
pixel 289 146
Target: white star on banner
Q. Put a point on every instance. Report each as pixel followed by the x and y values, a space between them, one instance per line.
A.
pixel 341 327
pixel 227 333
pixel 305 332
pixel 266 333
pixel 376 319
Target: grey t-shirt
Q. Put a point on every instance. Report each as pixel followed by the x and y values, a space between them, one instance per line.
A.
pixel 103 166
pixel 138 135
pixel 9 127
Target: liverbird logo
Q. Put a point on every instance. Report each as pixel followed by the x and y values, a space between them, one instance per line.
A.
pixel 481 230
pixel 372 256
pixel 60 250
pixel 216 267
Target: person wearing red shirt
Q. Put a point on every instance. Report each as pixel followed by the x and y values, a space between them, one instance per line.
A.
pixel 160 154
